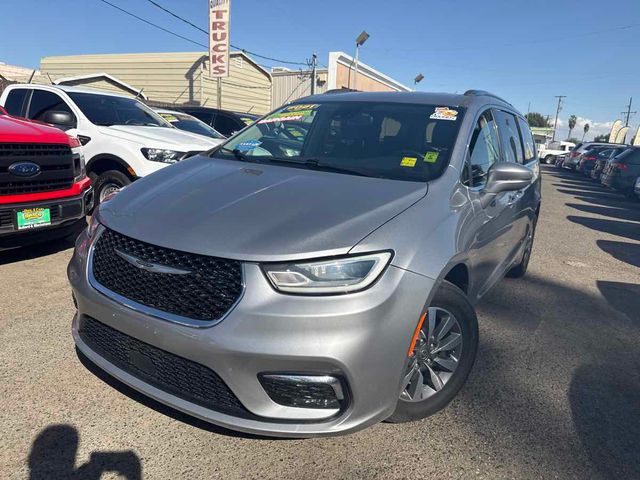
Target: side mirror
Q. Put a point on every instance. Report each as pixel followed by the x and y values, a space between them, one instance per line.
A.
pixel 59 119
pixel 505 177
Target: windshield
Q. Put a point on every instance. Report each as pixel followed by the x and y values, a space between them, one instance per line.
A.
pixel 191 124
pixel 385 140
pixel 111 110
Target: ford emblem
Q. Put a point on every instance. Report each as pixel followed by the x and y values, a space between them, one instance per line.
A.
pixel 24 169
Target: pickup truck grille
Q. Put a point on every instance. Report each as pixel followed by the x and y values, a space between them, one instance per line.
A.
pixel 56 164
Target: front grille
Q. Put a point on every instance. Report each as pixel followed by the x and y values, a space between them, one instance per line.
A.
pixel 178 376
pixel 206 293
pixel 6 218
pixel 56 168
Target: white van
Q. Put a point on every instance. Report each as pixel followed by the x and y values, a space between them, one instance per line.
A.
pixel 122 138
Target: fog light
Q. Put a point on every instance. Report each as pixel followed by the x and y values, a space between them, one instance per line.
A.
pixel 304 391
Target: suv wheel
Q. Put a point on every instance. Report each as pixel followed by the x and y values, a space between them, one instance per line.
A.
pixel 109 182
pixel 548 159
pixel 442 357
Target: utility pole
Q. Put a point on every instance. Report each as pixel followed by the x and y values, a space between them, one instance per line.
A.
pixel 528 108
pixel 314 61
pixel 628 112
pixel 555 124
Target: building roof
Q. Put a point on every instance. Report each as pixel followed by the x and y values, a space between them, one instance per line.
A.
pixel 100 75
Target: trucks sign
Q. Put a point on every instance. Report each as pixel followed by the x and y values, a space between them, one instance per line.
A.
pixel 219 16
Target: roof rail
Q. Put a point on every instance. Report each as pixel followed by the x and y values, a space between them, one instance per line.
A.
pixel 484 93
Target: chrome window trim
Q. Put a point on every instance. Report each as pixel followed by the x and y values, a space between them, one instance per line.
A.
pixel 150 311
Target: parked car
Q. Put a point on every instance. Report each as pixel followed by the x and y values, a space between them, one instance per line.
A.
pixel 587 159
pixel 572 158
pixel 44 190
pixel 224 121
pixel 316 285
pixel 120 136
pixel 621 172
pixel 602 159
pixel 189 123
pixel 550 153
pixel 636 188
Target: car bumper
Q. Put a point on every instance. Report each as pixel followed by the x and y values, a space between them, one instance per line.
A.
pixel 616 182
pixel 65 212
pixel 360 338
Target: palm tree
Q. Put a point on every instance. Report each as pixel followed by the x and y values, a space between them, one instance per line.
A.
pixel 586 129
pixel 572 123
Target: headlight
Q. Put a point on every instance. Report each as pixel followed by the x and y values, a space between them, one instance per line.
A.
pixel 339 275
pixel 161 155
pixel 82 170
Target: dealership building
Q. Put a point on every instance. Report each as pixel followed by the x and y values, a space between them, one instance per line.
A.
pixel 181 78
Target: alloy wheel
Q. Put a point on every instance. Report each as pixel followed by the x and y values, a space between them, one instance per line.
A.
pixel 108 189
pixel 435 356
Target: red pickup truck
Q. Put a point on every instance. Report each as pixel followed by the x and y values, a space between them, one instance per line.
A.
pixel 44 190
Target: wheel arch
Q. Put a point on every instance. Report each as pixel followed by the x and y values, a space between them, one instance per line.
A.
pixel 104 162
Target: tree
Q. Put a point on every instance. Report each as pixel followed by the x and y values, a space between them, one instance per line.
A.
pixel 586 129
pixel 572 123
pixel 602 138
pixel 536 119
pixel 573 140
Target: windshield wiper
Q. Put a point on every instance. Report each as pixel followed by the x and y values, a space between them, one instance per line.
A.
pixel 314 164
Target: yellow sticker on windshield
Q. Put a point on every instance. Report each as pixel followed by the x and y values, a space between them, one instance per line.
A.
pixel 408 162
pixel 431 157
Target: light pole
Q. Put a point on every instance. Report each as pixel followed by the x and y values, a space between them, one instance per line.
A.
pixel 418 79
pixel 359 42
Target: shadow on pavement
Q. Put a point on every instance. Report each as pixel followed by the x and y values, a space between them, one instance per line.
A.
pixel 614 227
pixel 623 251
pixel 604 395
pixel 625 298
pixel 607 211
pixel 53 456
pixel 161 407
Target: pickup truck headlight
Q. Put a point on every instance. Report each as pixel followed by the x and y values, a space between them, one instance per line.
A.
pixel 338 275
pixel 162 155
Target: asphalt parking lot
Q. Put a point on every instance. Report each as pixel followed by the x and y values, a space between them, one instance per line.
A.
pixel 555 392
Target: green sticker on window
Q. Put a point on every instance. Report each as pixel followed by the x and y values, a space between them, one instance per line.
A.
pixel 431 157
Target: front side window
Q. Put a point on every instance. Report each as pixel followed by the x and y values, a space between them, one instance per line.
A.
pixel 510 136
pixel 107 110
pixel 226 125
pixel 385 140
pixel 43 101
pixel 484 149
pixel 14 101
pixel 527 141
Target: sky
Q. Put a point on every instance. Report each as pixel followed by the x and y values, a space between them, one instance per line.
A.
pixel 525 51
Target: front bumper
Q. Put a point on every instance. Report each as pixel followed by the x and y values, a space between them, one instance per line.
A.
pixel 361 338
pixel 65 213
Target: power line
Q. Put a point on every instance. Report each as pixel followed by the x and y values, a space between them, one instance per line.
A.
pixel 182 19
pixel 153 24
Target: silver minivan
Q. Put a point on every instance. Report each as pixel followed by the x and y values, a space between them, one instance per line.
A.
pixel 317 272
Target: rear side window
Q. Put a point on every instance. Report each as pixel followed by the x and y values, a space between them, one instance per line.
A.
pixel 14 102
pixel 202 116
pixel 43 101
pixel 527 141
pixel 510 136
pixel 484 148
pixel 226 125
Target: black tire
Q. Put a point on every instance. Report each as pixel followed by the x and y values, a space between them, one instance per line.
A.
pixel 107 181
pixel 548 159
pixel 519 270
pixel 452 299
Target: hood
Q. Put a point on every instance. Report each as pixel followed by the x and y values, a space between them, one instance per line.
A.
pixel 161 137
pixel 17 130
pixel 255 212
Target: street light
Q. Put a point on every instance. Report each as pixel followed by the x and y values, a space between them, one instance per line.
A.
pixel 418 79
pixel 359 42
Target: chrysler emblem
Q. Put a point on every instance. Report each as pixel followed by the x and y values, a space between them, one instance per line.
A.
pixel 24 169
pixel 149 266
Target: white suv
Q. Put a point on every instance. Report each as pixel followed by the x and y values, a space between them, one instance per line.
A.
pixel 122 138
